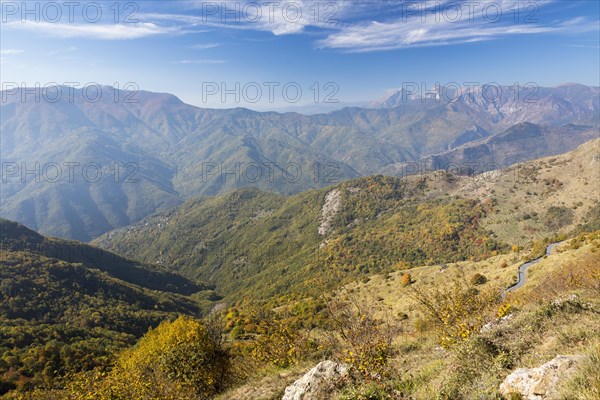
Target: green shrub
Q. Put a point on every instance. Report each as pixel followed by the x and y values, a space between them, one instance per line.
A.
pixel 364 340
pixel 370 391
pixel 557 217
pixel 478 279
pixel 178 360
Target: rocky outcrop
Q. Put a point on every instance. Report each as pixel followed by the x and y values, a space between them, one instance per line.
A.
pixel 542 383
pixel 332 206
pixel 317 383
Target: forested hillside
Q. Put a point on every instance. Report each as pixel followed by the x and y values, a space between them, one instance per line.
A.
pixel 261 244
pixel 66 306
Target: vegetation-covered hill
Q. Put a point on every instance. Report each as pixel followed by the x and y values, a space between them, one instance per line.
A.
pixel 539 198
pixel 66 306
pixel 17 237
pixel 261 244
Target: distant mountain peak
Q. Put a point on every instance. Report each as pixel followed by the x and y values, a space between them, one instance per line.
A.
pixel 481 94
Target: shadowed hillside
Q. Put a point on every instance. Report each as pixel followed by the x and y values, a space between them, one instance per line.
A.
pixel 66 306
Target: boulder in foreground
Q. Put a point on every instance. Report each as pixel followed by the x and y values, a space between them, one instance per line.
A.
pixel 542 383
pixel 317 382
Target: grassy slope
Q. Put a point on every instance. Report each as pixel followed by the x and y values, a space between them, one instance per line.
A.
pixel 501 271
pixel 525 192
pixel 537 332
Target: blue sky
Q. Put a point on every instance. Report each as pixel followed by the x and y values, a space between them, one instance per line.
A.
pixel 352 50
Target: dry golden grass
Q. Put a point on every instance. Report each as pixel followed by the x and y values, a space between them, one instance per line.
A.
pixel 269 384
pixel 570 180
pixel 569 266
pixel 392 297
pixel 540 328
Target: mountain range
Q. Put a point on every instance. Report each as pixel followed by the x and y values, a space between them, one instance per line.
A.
pixel 77 169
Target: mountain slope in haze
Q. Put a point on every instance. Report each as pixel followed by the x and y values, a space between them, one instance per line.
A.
pixel 75 168
pixel 66 307
pixel 522 142
pixel 509 105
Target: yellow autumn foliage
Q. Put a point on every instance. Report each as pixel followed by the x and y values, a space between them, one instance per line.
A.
pixel 178 360
pixel 458 310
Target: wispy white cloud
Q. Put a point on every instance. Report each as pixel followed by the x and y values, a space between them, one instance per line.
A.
pixel 203 46
pixel 422 30
pixel 204 61
pixel 69 49
pixel 364 26
pixel 278 17
pixel 10 52
pixel 94 31
pixel 344 25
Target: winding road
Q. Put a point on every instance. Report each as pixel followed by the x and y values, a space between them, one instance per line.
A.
pixel 524 267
